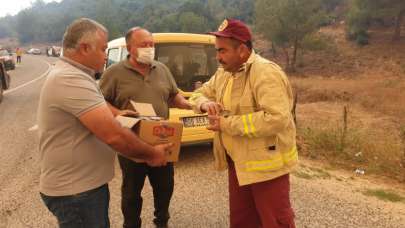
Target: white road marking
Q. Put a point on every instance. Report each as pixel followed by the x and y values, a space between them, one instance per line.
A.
pixel 33 128
pixel 30 82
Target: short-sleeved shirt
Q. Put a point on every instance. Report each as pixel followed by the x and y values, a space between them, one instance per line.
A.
pixel 73 160
pixel 121 83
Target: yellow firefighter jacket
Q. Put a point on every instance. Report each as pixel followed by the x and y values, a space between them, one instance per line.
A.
pixel 260 122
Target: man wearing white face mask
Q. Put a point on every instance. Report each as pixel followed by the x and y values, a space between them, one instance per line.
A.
pixel 146 55
pixel 142 79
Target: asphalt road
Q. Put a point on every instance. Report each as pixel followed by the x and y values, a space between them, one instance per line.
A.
pixel 321 197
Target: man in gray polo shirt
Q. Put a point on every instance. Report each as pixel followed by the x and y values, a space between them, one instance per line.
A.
pixel 78 133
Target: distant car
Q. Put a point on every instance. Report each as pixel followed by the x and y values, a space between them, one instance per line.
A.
pixel 53 51
pixel 8 59
pixel 4 79
pixel 34 51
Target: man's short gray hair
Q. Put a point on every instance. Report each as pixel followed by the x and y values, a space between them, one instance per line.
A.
pixel 81 30
pixel 128 35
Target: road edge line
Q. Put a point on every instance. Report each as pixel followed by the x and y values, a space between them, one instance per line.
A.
pixel 30 82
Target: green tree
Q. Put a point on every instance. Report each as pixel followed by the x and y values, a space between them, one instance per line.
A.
pixel 26 26
pixel 363 13
pixel 394 9
pixel 107 14
pixel 240 9
pixel 358 19
pixel 7 25
pixel 330 5
pixel 287 22
pixel 46 22
pixel 200 15
pixel 190 22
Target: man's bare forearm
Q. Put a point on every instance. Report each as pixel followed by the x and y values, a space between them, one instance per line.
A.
pixel 178 101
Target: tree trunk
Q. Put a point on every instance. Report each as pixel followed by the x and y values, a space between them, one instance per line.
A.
pixel 398 25
pixel 273 49
pixel 294 60
pixel 287 59
pixel 402 130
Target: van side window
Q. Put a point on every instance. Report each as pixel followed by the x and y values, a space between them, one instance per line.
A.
pixel 112 56
pixel 124 53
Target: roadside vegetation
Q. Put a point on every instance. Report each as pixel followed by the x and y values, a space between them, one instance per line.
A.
pixel 350 113
pixel 385 195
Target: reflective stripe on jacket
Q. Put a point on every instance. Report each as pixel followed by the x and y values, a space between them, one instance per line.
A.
pixel 260 121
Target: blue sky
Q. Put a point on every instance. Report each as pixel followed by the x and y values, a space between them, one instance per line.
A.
pixel 12 7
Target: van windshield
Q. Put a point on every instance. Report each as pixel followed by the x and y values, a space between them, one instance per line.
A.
pixel 190 64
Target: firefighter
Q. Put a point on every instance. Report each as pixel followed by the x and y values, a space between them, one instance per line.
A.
pixel 249 102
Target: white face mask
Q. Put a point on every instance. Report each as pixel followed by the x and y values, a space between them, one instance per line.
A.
pixel 146 55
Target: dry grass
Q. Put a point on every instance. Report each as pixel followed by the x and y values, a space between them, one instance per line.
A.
pixel 370 142
pixel 385 96
pixel 370 81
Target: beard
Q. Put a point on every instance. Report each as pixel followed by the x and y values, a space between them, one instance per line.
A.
pixel 223 64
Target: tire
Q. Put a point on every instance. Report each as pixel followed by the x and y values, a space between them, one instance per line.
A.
pixel 8 66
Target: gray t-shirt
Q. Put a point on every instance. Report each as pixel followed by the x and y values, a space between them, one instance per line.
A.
pixel 73 160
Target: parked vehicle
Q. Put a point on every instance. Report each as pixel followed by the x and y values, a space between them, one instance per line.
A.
pixel 8 59
pixel 191 59
pixel 4 79
pixel 34 51
pixel 53 51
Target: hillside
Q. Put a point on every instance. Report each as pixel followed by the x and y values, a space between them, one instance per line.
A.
pixel 369 82
pixel 46 22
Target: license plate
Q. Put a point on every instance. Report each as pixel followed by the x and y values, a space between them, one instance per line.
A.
pixel 195 121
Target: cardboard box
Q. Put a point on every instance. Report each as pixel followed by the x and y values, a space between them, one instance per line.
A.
pixel 153 130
